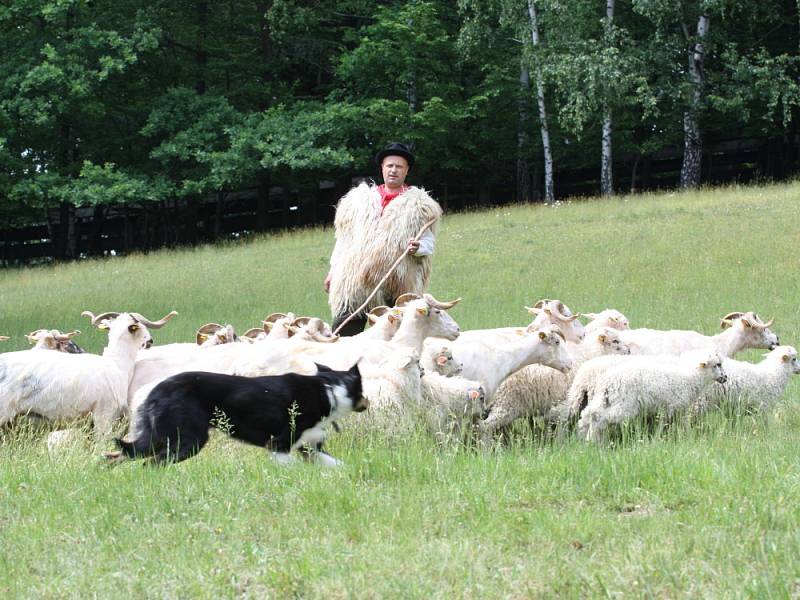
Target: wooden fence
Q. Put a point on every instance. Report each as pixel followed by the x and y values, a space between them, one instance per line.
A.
pixel 73 233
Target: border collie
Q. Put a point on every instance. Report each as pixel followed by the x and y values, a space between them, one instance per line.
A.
pixel 280 412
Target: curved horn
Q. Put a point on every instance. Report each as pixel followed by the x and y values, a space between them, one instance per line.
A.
pixel 301 321
pixel 4 338
pixel 253 332
pixel 204 331
pixel 274 317
pixel 534 310
pixel 440 305
pixel 759 324
pixel 154 324
pixel 65 337
pixel 33 336
pixel 319 337
pixel 378 311
pixel 209 328
pixel 98 318
pixel 732 316
pixel 404 299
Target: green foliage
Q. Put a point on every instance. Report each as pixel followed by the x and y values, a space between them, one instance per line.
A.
pixel 187 99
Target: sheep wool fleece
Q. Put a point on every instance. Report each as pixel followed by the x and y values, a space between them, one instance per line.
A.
pixel 368 242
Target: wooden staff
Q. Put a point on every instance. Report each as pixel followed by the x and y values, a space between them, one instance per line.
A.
pixel 385 277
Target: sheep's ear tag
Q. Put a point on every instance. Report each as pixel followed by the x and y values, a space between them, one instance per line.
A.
pixel 542 335
pixel 133 327
pixel 441 360
pixel 103 326
pixel 602 338
pixel 201 337
pixel 703 365
pixel 423 310
pixel 786 358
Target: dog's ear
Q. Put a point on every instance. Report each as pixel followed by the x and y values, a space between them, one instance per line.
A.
pixel 323 368
pixel 354 369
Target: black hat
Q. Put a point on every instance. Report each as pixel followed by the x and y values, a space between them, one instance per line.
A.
pixel 395 149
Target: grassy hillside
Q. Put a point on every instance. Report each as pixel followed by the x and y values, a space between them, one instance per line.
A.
pixel 706 511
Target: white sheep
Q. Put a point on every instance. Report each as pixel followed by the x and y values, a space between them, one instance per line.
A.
pixel 538 391
pixel 609 317
pixel 53 339
pixel 489 358
pixel 648 386
pixel 441 361
pixel 213 334
pixel 422 318
pixel 753 386
pixel 56 385
pixel 451 402
pixel 742 331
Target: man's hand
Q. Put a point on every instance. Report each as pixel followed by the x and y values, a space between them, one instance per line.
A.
pixel 326 285
pixel 413 246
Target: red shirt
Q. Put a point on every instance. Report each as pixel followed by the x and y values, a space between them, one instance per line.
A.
pixel 387 196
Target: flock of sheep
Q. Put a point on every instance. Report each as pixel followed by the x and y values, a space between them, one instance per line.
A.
pixel 416 365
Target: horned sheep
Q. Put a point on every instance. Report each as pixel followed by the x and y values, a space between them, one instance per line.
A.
pixel 58 385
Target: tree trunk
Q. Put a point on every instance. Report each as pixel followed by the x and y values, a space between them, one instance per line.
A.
pixel 201 56
pixel 265 39
pixel 219 213
pixel 606 164
pixel 549 195
pixel 633 173
pixel 693 143
pixel 523 168
pixel 411 85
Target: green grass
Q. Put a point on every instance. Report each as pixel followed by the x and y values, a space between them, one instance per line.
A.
pixel 708 510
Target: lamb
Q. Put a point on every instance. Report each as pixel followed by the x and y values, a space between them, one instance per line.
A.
pixel 742 330
pixel 443 363
pixel 450 402
pixel 53 339
pixel 648 386
pixel 537 391
pixel 751 386
pixel 56 385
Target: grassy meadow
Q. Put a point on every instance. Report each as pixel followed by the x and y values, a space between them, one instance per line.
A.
pixel 704 511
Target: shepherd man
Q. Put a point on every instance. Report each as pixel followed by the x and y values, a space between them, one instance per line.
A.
pixel 374 225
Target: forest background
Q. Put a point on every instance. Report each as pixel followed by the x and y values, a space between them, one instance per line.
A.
pixel 131 125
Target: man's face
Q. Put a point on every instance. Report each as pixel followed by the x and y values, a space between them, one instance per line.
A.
pixel 394 170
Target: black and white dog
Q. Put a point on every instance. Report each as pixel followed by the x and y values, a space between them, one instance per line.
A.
pixel 282 413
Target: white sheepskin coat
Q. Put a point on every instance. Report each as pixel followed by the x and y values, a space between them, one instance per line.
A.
pixel 368 243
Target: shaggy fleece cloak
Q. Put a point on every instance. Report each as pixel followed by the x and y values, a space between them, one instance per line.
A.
pixel 368 243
